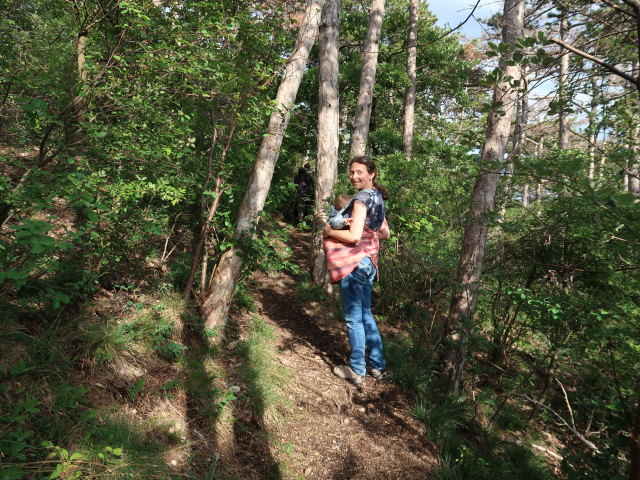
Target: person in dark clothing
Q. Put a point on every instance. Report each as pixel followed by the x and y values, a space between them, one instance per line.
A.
pixel 303 201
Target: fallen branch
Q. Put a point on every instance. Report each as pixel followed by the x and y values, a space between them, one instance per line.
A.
pixel 548 452
pixel 571 428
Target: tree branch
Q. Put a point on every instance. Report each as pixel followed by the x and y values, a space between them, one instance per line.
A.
pixel 599 61
pixel 453 29
pixel 573 430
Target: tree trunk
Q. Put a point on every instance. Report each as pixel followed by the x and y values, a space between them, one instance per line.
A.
pixel 520 132
pixel 634 469
pixel 328 123
pixel 215 308
pixel 206 224
pixel 410 95
pixel 525 195
pixel 634 164
pixel 564 76
pixel 464 298
pixel 74 119
pixel 591 149
pixel 546 386
pixel 82 75
pixel 540 186
pixel 367 80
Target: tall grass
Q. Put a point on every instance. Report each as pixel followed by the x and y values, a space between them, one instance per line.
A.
pixel 468 447
pixel 263 377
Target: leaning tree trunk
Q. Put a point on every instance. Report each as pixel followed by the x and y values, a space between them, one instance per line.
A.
pixel 464 298
pixel 410 95
pixel 367 80
pixel 215 308
pixel 328 123
pixel 564 77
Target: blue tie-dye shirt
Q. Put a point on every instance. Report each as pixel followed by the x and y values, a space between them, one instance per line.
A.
pixel 374 202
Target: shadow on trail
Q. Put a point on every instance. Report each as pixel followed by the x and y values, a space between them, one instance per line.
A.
pixel 228 443
pixel 385 404
pixel 326 341
pixel 285 310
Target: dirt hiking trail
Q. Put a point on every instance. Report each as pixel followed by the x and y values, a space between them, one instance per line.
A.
pixel 334 430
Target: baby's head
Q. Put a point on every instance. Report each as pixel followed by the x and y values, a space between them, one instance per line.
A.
pixel 341 201
pixel 336 218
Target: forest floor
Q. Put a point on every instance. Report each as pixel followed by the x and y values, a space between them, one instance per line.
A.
pixel 334 429
pixel 123 373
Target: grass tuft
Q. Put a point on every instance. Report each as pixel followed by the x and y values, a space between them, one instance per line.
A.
pixel 263 378
pixel 309 292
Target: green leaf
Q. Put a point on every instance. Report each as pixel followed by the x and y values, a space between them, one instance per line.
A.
pixel 35 106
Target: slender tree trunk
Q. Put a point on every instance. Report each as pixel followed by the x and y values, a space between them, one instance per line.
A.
pixel 525 195
pixel 634 470
pixel 546 386
pixel 540 186
pixel 591 149
pixel 328 123
pixel 410 95
pixel 206 224
pixel 367 80
pixel 75 117
pixel 564 77
pixel 634 164
pixel 82 75
pixel 464 298
pixel 215 308
pixel 520 130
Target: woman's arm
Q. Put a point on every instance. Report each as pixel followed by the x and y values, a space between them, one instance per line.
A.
pixel 384 233
pixel 356 228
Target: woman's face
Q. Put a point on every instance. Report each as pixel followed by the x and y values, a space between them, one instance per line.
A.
pixel 359 176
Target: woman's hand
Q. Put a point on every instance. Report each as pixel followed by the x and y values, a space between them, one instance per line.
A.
pixel 384 233
pixel 356 226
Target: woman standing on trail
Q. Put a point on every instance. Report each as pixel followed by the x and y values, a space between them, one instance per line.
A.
pixel 352 260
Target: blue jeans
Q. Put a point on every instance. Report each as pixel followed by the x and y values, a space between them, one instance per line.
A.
pixel 355 290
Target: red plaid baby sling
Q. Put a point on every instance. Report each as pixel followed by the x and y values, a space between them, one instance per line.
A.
pixel 342 258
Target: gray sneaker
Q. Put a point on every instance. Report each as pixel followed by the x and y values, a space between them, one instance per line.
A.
pixel 378 374
pixel 344 371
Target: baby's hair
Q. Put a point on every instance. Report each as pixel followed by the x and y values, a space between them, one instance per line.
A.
pixel 341 201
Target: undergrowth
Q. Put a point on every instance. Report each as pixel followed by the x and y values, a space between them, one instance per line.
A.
pixel 85 374
pixel 469 447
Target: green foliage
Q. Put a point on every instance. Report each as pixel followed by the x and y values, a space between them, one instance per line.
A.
pixel 135 389
pixel 162 335
pixel 242 298
pixel 308 292
pixel 69 396
pixel 106 176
